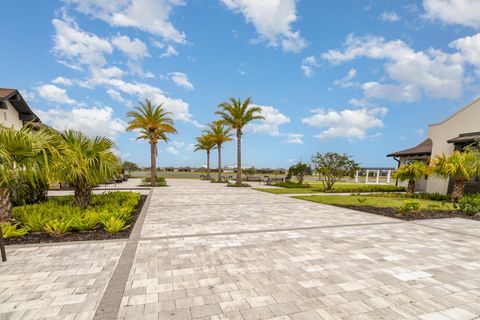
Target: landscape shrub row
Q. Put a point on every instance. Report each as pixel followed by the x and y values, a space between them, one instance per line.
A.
pixel 159 182
pixel 424 196
pixel 57 216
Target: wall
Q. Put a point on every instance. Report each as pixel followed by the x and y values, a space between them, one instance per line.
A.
pixel 12 117
pixel 464 121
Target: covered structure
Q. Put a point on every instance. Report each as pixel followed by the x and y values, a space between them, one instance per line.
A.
pixel 14 110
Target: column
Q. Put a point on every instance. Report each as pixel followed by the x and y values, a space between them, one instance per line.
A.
pixel 366 176
pixel 389 174
pixel 377 181
pixel 356 176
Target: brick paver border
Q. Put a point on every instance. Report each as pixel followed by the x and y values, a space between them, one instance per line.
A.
pixel 112 297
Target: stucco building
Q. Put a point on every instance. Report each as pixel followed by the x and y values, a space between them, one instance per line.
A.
pixel 454 133
pixel 14 110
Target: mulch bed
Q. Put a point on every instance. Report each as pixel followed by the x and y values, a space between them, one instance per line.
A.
pixel 408 216
pixel 96 234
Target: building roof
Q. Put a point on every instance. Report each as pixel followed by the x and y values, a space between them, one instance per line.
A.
pixel 17 101
pixel 423 148
pixel 465 138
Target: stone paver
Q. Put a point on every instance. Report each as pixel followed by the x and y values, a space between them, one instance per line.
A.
pixel 56 281
pixel 211 252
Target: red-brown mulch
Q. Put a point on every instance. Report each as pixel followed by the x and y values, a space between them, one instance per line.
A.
pixel 96 234
pixel 408 216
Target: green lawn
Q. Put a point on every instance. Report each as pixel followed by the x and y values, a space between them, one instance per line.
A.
pixel 385 202
pixel 316 186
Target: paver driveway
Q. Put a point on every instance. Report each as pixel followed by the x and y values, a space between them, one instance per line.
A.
pixel 211 252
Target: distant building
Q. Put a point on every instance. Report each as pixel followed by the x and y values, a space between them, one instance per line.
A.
pixel 230 169
pixel 14 111
pixel 454 133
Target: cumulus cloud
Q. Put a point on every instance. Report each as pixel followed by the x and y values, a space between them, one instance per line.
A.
pixel 95 121
pixel 389 16
pixel 181 79
pixel 135 49
pixel 295 138
pixel 309 64
pixel 52 93
pixel 462 12
pixel 470 49
pixel 62 81
pixel 152 16
pixel 346 82
pixel 272 20
pixel 270 125
pixel 431 73
pixel 352 124
pixel 171 150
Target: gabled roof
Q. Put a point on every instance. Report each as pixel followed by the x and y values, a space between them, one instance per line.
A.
pixel 465 138
pixel 15 98
pixel 423 148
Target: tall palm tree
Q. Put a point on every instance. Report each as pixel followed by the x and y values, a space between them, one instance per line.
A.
pixel 205 143
pixel 237 114
pixel 27 152
pixel 85 163
pixel 219 134
pixel 461 166
pixel 411 172
pixel 154 124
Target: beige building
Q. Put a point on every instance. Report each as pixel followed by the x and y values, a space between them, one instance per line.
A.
pixel 454 133
pixel 14 111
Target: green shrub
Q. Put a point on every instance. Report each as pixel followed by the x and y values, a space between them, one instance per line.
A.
pixel 291 185
pixel 238 186
pixel 361 200
pixel 470 204
pixel 423 196
pixel 159 182
pixel 88 221
pixel 114 225
pixel 25 192
pixel 57 227
pixel 12 230
pixel 410 206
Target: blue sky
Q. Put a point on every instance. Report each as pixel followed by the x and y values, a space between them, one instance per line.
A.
pixel 362 77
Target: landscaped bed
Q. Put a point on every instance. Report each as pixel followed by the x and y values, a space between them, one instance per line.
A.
pixel 393 206
pixel 314 187
pixel 110 216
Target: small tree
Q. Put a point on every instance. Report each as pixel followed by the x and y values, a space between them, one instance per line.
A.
pixel 129 166
pixel 411 172
pixel 299 171
pixel 332 166
pixel 250 171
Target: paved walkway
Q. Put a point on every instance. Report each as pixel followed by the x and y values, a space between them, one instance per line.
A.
pixel 211 252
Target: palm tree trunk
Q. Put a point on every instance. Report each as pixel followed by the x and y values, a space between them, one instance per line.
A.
pixel 219 148
pixel 208 164
pixel 153 163
pixel 5 204
pixel 82 197
pixel 411 186
pixel 239 157
pixel 458 187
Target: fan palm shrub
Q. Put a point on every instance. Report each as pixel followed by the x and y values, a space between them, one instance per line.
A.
pixel 25 153
pixel 86 162
pixel 461 166
pixel 411 172
pixel 205 143
pixel 236 114
pixel 154 124
pixel 219 134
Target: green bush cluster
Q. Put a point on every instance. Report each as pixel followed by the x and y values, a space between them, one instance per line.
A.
pixel 470 204
pixel 423 196
pixel 159 182
pixel 57 216
pixel 410 206
pixel 292 185
pixel 365 188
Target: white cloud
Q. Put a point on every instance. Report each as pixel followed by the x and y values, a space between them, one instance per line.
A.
pixel 151 16
pixel 469 48
pixel 169 50
pixel 62 81
pixel 431 73
pixel 77 46
pixel 95 121
pixel 270 125
pixel 272 20
pixel 308 66
pixel 181 79
pixel 135 49
pixel 295 138
pixel 463 12
pixel 389 16
pixel 352 124
pixel 346 82
pixel 171 150
pixel 52 93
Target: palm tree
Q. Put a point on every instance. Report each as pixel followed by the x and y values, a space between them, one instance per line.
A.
pixel 411 172
pixel 219 134
pixel 154 124
pixel 205 143
pixel 237 114
pixel 24 152
pixel 461 166
pixel 86 162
